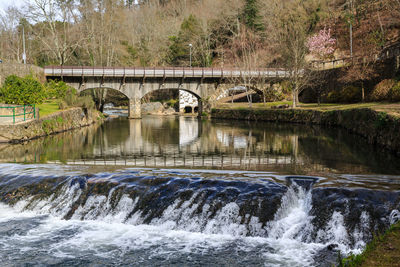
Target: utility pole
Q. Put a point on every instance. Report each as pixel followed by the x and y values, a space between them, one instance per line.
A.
pixel 190 55
pixel 23 44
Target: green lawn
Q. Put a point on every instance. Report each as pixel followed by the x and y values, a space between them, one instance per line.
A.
pixel 48 108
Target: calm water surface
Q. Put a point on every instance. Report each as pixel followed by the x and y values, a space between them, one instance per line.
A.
pixel 194 143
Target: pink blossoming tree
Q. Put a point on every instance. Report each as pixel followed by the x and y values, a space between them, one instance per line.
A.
pixel 322 44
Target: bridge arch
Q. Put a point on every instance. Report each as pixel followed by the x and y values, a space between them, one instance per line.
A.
pixel 187 98
pixel 104 95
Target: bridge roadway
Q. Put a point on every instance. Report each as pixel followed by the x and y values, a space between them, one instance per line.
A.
pixel 205 83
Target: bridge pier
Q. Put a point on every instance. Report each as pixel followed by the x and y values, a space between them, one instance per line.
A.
pixel 135 110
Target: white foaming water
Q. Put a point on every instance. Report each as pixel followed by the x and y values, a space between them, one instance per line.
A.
pixel 291 228
pixel 78 239
pixel 108 232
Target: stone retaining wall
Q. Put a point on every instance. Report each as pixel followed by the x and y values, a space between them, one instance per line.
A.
pixel 378 128
pixel 58 122
pixel 21 70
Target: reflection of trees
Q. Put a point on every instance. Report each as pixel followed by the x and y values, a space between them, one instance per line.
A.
pixel 242 138
pixel 161 130
pixel 287 145
pixel 109 136
pixel 63 146
pixel 337 149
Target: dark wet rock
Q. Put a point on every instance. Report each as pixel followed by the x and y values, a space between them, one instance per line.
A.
pixel 328 256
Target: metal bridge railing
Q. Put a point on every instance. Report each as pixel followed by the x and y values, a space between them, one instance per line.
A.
pixel 61 71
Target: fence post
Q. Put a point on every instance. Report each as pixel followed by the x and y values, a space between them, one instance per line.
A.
pixel 34 111
pixel 13 115
pixel 24 113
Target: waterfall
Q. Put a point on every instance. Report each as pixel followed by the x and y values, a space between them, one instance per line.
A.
pixel 296 224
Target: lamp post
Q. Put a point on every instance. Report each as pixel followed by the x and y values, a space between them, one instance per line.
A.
pixel 23 44
pixel 190 55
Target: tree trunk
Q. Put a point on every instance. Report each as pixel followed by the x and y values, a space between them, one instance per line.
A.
pixel 264 98
pixel 294 98
pixel 362 92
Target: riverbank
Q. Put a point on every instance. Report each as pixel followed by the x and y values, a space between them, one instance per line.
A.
pixel 57 122
pixel 382 251
pixel 378 126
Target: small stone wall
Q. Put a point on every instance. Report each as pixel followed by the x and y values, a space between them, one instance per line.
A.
pixel 378 128
pixel 21 70
pixel 58 122
pixel 187 99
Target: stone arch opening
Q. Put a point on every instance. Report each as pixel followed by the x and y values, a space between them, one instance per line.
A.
pixel 188 109
pixel 106 95
pixel 184 99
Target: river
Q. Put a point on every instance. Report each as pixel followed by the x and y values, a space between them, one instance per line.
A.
pixel 180 191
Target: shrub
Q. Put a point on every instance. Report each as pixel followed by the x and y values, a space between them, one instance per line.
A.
pixel 382 90
pixel 72 99
pixel 62 104
pixel 394 94
pixel 348 94
pixel 85 102
pixel 333 97
pixel 173 103
pixel 27 90
pixel 56 89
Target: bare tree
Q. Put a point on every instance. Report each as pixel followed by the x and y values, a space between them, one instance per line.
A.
pixel 291 23
pixel 10 41
pixel 245 49
pixel 54 21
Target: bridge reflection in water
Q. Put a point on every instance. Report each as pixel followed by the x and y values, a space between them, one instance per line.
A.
pixel 187 142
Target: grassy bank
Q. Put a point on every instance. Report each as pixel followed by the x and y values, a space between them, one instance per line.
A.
pixel 381 251
pixel 389 108
pixel 48 108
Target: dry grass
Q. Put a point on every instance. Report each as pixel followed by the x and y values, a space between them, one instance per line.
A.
pixel 390 108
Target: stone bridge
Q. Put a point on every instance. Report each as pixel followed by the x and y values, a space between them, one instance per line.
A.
pixel 204 83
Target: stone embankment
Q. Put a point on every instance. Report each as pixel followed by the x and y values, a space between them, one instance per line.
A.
pixel 378 128
pixel 20 70
pixel 55 123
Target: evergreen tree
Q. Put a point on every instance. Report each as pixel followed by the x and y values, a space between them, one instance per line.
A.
pixel 251 16
pixel 178 53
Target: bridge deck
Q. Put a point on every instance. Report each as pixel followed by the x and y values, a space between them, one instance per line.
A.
pixel 60 71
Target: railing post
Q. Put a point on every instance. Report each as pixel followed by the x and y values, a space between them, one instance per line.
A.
pixel 13 115
pixel 34 111
pixel 24 113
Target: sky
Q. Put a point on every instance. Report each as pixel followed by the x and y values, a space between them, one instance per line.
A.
pixel 5 3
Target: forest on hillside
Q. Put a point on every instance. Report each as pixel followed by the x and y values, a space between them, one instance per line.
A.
pixel 223 33
pixel 245 34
